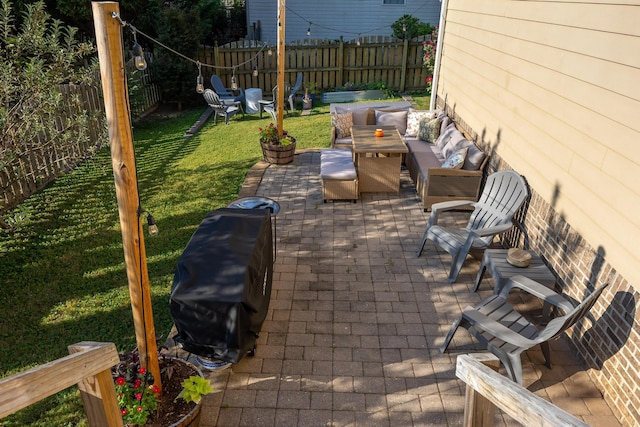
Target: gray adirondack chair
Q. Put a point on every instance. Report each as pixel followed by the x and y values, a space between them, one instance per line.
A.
pixel 503 194
pixel 220 109
pixel 296 87
pixel 227 95
pixel 271 106
pixel 506 333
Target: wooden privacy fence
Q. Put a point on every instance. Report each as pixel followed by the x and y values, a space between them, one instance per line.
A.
pixel 38 164
pixel 328 63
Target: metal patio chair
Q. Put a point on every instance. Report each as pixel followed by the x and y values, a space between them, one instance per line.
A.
pixel 503 194
pixel 506 333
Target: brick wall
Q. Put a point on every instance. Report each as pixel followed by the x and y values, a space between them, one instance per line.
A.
pixel 608 339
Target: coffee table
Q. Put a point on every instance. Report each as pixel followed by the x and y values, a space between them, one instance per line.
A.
pixel 378 159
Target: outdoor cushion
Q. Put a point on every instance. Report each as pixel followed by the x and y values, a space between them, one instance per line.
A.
pixel 456 159
pixel 445 136
pixel 474 158
pixel 456 141
pixel 395 118
pixel 429 129
pixel 444 123
pixel 343 123
pixel 413 120
pixel 337 164
pixel 364 116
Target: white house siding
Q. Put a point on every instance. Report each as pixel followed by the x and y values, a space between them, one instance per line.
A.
pixel 331 19
pixel 554 88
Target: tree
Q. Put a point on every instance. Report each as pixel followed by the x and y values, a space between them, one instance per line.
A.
pixel 408 27
pixel 34 60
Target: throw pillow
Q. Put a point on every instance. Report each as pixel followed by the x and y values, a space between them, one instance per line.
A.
pixel 413 121
pixel 456 160
pixel 363 117
pixel 445 136
pixel 396 118
pixel 343 123
pixel 429 130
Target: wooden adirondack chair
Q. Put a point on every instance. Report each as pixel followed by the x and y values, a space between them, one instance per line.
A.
pixel 503 194
pixel 506 333
pixel 219 108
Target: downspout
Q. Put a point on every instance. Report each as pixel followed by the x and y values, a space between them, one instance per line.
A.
pixel 436 66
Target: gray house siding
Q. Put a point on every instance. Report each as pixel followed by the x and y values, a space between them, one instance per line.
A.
pixel 331 19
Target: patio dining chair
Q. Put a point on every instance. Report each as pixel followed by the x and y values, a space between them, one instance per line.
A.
pixel 270 106
pixel 507 334
pixel 503 194
pixel 220 108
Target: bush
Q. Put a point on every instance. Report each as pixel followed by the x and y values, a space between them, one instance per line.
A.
pixel 413 27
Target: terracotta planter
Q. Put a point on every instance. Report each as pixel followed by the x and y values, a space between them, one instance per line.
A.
pixel 278 154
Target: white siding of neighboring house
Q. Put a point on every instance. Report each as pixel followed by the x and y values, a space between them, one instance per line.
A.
pixel 334 18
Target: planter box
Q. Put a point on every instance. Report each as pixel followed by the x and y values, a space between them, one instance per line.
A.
pixel 352 95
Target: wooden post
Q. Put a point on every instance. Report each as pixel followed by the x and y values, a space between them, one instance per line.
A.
pixel 478 410
pixel 403 73
pixel 98 392
pixel 282 4
pixel 114 87
pixel 340 64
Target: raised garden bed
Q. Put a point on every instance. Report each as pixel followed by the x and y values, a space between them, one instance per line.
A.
pixel 352 95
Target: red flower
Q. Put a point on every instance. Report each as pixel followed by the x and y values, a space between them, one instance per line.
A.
pixel 139 409
pixel 155 389
pixel 429 79
pixel 123 411
pixel 139 396
pixel 142 370
pixel 120 381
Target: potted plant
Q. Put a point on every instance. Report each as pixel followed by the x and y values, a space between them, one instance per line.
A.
pixel 277 149
pixel 309 96
pixel 143 404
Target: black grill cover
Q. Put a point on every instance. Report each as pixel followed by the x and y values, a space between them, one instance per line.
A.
pixel 222 284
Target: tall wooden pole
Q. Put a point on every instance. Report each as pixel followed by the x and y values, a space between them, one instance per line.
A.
pixel 282 4
pixel 114 87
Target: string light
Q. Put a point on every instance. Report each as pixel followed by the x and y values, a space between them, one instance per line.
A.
pixel 153 228
pixel 270 52
pixel 199 79
pixel 255 71
pixel 358 41
pixel 138 54
pixel 309 29
pixel 234 85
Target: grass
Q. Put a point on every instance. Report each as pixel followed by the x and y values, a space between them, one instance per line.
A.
pixel 62 265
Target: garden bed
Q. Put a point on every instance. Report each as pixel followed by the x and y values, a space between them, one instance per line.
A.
pixel 352 95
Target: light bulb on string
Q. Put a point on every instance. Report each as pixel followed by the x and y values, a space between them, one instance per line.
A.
pixel 153 228
pixel 255 71
pixel 269 51
pixel 309 30
pixel 199 79
pixel 358 41
pixel 138 54
pixel 404 28
pixel 234 85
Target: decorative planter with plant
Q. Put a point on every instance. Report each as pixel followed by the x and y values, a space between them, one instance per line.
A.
pixel 143 404
pixel 277 149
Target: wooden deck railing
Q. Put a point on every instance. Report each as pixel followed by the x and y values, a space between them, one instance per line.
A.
pixel 88 365
pixel 486 390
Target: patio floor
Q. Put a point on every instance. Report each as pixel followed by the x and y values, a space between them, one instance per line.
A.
pixel 355 320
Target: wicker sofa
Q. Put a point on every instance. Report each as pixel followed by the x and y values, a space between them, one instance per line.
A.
pixel 428 159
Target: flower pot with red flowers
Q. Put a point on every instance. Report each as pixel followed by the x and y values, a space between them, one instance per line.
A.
pixel 143 404
pixel 277 149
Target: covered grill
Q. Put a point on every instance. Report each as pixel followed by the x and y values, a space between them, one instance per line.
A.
pixel 222 284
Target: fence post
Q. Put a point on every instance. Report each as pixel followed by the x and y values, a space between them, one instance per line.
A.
pixel 403 73
pixel 98 392
pixel 478 410
pixel 340 64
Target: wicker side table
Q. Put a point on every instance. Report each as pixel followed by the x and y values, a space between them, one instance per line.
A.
pixel 495 261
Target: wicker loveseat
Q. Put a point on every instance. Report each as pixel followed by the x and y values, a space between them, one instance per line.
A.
pixel 428 159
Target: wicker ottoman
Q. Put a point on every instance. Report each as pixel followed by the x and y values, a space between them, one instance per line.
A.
pixel 339 177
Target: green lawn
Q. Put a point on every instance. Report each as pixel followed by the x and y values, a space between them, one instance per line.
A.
pixel 62 268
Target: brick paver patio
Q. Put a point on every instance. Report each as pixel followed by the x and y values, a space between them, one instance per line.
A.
pixel 355 321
